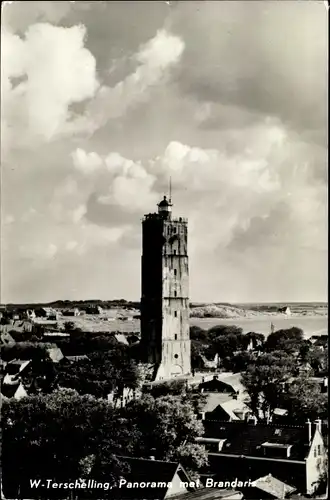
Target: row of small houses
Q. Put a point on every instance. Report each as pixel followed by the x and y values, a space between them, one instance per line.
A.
pixel 48 313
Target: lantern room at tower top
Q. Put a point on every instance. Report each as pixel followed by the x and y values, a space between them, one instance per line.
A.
pixel 165 208
pixel 165 212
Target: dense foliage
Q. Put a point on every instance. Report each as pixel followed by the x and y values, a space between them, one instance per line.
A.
pixel 65 436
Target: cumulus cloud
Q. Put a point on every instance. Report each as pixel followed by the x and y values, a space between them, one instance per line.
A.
pixel 231 191
pixel 55 71
pixel 129 183
pixel 154 60
pixel 226 98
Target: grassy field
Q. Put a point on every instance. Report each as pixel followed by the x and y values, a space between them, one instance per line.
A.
pixel 310 320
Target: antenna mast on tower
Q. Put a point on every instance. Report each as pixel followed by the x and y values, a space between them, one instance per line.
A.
pixel 170 193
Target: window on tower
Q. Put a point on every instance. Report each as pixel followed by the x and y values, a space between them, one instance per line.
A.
pixel 176 356
pixel 175 337
pixel 174 230
pixel 175 294
pixel 175 314
pixel 175 272
pixel 174 252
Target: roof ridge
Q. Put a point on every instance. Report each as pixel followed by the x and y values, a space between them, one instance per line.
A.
pixel 149 459
pixel 263 424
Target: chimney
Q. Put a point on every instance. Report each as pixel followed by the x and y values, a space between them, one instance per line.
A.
pixel 309 429
pixel 202 415
pixel 318 425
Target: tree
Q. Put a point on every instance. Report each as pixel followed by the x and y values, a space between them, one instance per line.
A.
pixel 26 350
pixel 220 330
pixel 304 400
pixel 264 381
pixel 174 388
pixel 318 359
pixel 226 345
pixel 199 334
pixel 167 428
pixel 258 339
pixel 102 373
pixel 69 326
pixel 239 362
pixel 198 349
pixel 289 340
pixel 51 436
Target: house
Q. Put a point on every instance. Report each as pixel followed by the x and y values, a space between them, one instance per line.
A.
pixel 227 382
pixel 164 480
pixel 6 339
pixel 71 312
pixel 119 400
pixel 202 363
pixel 15 391
pixel 295 455
pixel 284 310
pixel 320 341
pixel 221 406
pixel 279 415
pixel 268 487
pixel 20 326
pixel 94 310
pixel 43 312
pixel 30 314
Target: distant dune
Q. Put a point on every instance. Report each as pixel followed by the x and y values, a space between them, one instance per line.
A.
pixel 255 310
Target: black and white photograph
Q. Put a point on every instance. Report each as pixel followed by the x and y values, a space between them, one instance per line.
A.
pixel 164 250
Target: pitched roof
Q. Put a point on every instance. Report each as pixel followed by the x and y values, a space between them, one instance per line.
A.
pixel 213 400
pixel 144 470
pixel 121 338
pixel 21 364
pixel 280 412
pixel 6 338
pixel 11 379
pixel 246 439
pixel 232 407
pixel 55 354
pixel 13 391
pixel 79 357
pixel 232 380
pixel 272 486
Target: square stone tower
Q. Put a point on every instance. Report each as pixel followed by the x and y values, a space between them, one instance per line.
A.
pixel 165 340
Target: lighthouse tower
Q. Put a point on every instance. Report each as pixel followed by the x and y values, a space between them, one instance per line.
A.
pixel 165 339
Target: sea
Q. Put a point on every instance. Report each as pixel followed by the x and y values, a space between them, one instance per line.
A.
pixel 311 325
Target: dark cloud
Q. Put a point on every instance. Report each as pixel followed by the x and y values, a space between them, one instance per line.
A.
pixel 262 56
pixel 106 214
